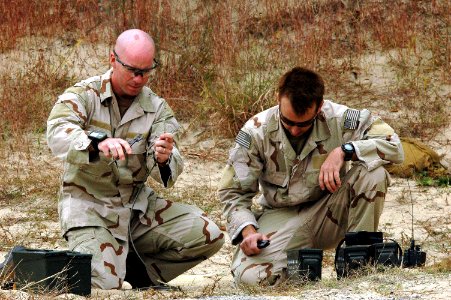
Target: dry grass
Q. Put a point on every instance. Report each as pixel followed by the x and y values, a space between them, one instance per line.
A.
pixel 220 63
pixel 226 56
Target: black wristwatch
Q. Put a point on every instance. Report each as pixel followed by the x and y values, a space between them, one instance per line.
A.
pixel 349 151
pixel 96 137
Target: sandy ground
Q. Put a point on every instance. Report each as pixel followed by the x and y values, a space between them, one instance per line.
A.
pixel 431 227
pixel 431 221
pixel 204 161
pixel 212 279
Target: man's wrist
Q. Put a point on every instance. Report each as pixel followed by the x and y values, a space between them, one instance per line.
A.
pixel 248 230
pixel 96 138
pixel 348 150
pixel 164 163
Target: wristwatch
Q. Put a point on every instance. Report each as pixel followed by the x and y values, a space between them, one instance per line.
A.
pixel 349 151
pixel 96 137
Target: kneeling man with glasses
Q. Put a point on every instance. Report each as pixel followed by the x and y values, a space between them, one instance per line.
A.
pixel 296 155
pixel 113 133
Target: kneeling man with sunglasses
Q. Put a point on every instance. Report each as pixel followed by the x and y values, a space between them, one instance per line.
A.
pixel 114 133
pixel 296 155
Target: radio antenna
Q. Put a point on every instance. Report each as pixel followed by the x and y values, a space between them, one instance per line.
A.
pixel 411 209
pixel 413 256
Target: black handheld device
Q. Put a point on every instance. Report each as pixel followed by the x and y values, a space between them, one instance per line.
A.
pixel 262 244
pixel 414 257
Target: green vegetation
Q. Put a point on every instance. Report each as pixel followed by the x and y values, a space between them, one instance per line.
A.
pixel 426 179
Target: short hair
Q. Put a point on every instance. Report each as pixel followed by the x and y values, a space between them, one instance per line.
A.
pixel 303 88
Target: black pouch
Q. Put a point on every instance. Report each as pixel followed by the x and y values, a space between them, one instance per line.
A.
pixel 304 264
pixel 52 271
pixel 363 248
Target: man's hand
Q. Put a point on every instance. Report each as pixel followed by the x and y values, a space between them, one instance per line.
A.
pixel 163 147
pixel 115 148
pixel 250 238
pixel 329 175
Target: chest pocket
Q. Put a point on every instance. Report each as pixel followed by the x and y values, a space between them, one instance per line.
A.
pixel 276 178
pixel 136 162
pixel 311 178
pixel 313 169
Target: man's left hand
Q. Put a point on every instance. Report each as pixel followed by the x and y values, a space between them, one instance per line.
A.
pixel 329 175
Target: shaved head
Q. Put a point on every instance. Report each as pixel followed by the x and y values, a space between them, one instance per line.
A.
pixel 134 40
pixel 136 49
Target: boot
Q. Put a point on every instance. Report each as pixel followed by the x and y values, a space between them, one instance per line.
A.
pixel 7 269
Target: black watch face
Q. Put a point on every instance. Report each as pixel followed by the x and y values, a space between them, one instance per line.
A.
pixel 98 135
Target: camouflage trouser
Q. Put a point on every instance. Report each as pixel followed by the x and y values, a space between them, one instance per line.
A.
pixel 357 205
pixel 180 236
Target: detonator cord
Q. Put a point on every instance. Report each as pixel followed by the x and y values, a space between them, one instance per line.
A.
pixel 162 285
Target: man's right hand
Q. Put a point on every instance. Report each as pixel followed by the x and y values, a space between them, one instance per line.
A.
pixel 115 148
pixel 250 238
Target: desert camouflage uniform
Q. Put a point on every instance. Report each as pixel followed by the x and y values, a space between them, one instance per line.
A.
pixel 100 197
pixel 296 212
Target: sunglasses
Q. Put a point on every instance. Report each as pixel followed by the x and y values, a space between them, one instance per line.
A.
pixel 137 71
pixel 288 122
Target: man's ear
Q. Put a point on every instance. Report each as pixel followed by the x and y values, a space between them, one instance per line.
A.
pixel 320 106
pixel 112 58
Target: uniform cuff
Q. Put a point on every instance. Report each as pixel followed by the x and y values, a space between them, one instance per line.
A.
pixel 78 150
pixel 238 237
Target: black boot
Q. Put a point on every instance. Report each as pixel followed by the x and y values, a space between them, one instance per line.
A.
pixel 136 275
pixel 7 269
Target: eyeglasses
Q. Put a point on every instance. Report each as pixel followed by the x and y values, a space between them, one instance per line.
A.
pixel 137 71
pixel 288 122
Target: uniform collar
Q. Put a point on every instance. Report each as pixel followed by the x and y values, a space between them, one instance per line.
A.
pixel 320 132
pixel 106 90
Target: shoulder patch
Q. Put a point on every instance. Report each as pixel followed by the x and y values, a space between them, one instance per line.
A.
pixel 243 139
pixel 351 119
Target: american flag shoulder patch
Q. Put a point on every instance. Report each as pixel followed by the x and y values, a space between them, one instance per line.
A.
pixel 351 119
pixel 243 139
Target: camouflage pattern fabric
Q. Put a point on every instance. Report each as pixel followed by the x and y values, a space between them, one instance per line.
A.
pixel 99 196
pixel 289 183
pixel 356 206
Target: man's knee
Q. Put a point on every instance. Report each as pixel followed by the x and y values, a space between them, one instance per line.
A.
pixel 213 238
pixel 257 274
pixel 364 180
pixel 108 256
pixel 263 269
pixel 247 278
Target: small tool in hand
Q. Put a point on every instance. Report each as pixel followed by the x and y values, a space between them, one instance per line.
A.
pixel 131 143
pixel 262 244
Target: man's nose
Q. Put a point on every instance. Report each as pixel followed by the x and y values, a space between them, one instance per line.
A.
pixel 295 131
pixel 139 78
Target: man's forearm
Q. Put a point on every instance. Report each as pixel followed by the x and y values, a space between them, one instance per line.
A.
pixel 249 229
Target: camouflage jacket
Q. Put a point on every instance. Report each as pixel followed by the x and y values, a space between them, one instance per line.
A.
pixel 99 192
pixel 263 159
